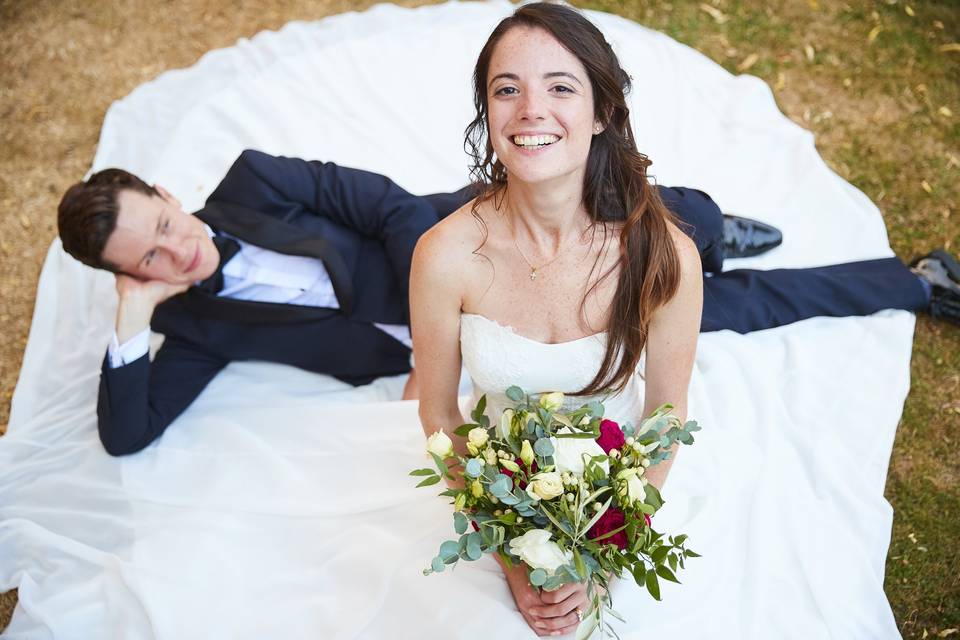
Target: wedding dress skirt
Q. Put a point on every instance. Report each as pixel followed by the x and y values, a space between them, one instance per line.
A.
pixel 278 505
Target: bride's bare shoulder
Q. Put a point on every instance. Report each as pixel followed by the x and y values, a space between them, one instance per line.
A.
pixel 451 243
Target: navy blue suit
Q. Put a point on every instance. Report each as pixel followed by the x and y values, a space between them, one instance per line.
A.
pixel 364 228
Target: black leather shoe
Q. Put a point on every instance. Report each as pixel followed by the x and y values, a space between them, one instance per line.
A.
pixel 744 238
pixel 942 271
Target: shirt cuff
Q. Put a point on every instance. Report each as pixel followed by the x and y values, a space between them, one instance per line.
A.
pixel 133 349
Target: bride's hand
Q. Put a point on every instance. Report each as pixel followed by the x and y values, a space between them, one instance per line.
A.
pixel 549 613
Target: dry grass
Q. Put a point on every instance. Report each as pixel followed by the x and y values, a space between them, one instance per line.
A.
pixel 868 77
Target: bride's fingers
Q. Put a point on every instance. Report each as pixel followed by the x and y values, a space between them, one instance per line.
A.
pixel 573 599
pixel 561 594
pixel 557 626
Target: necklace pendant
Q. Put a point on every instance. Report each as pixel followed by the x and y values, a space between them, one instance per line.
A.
pixel 533 274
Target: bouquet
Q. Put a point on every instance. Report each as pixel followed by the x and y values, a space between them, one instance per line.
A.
pixel 562 492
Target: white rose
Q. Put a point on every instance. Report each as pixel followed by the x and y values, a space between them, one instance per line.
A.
pixel 440 444
pixel 539 552
pixel 545 486
pixel 552 401
pixel 478 437
pixel 568 454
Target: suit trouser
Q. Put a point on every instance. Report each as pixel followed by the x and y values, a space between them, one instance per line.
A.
pixel 745 300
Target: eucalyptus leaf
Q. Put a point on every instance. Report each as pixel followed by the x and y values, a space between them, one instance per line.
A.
pixel 543 447
pixel 509 499
pixel 460 522
pixel 515 393
pixel 449 549
pixel 538 577
pixel 437 565
pixel 474 468
pixel 474 551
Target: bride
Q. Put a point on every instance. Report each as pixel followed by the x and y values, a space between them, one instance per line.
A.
pixel 566 272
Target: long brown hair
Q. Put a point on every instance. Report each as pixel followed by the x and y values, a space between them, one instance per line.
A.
pixel 615 184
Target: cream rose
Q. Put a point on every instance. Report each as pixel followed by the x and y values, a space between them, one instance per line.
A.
pixel 552 401
pixel 539 552
pixel 545 486
pixel 440 444
pixel 478 437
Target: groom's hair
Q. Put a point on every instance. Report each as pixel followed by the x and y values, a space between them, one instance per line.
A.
pixel 87 214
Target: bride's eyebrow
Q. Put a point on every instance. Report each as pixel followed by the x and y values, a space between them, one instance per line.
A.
pixel 563 74
pixel 552 74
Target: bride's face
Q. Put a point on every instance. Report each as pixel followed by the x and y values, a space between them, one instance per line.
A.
pixel 540 107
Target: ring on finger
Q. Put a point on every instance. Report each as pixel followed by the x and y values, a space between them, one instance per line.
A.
pixel 579 614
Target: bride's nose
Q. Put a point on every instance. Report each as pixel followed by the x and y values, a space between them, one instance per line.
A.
pixel 532 107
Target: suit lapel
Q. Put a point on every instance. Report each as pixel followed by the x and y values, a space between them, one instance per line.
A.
pixel 276 235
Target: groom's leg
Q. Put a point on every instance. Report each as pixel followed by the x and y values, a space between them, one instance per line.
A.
pixel 745 300
pixel 703 222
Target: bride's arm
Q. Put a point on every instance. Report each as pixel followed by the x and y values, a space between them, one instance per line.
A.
pixel 435 301
pixel 672 345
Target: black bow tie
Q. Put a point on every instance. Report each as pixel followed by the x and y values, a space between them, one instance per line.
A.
pixel 227 247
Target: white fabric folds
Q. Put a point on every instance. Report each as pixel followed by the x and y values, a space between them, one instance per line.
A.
pixel 278 505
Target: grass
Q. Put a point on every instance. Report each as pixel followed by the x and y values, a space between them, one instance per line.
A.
pixel 869 78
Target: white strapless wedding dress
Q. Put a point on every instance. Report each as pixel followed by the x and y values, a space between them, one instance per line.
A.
pixel 497 357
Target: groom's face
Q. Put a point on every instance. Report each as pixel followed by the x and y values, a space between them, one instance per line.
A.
pixel 155 240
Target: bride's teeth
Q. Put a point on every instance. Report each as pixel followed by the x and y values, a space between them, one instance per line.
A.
pixel 534 141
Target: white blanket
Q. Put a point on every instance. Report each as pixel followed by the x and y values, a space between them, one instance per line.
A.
pixel 278 505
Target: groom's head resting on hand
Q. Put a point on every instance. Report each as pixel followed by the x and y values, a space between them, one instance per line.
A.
pixel 116 221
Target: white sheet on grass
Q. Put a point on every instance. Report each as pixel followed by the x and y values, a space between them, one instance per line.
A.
pixel 278 505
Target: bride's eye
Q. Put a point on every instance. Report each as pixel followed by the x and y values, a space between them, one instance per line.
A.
pixel 505 91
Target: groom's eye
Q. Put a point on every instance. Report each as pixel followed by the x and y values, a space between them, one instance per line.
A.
pixel 149 258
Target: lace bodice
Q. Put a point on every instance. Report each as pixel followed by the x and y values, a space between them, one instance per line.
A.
pixel 497 357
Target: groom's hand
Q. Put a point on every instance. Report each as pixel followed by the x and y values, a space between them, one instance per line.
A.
pixel 138 299
pixel 549 613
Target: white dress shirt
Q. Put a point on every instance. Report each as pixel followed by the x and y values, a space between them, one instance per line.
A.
pixel 261 275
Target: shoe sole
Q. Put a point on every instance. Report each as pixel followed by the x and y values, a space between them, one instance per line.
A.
pixel 949 263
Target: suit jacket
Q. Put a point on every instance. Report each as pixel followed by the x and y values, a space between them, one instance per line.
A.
pixel 360 224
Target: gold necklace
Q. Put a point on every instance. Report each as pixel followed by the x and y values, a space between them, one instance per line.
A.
pixel 534 270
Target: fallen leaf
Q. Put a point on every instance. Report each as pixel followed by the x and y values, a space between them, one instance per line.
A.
pixel 25 222
pixel 781 81
pixel 947 632
pixel 953 46
pixel 952 160
pixel 814 5
pixel 873 34
pixel 847 82
pixel 809 51
pixel 748 62
pixel 719 16
pixel 937 24
pixel 926 187
pixel 925 634
pixel 911 535
pixel 945 111
pixel 909 10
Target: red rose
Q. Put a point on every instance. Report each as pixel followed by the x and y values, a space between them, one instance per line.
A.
pixel 611 437
pixel 610 520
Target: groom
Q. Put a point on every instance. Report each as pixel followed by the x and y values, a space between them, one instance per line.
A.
pixel 306 263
